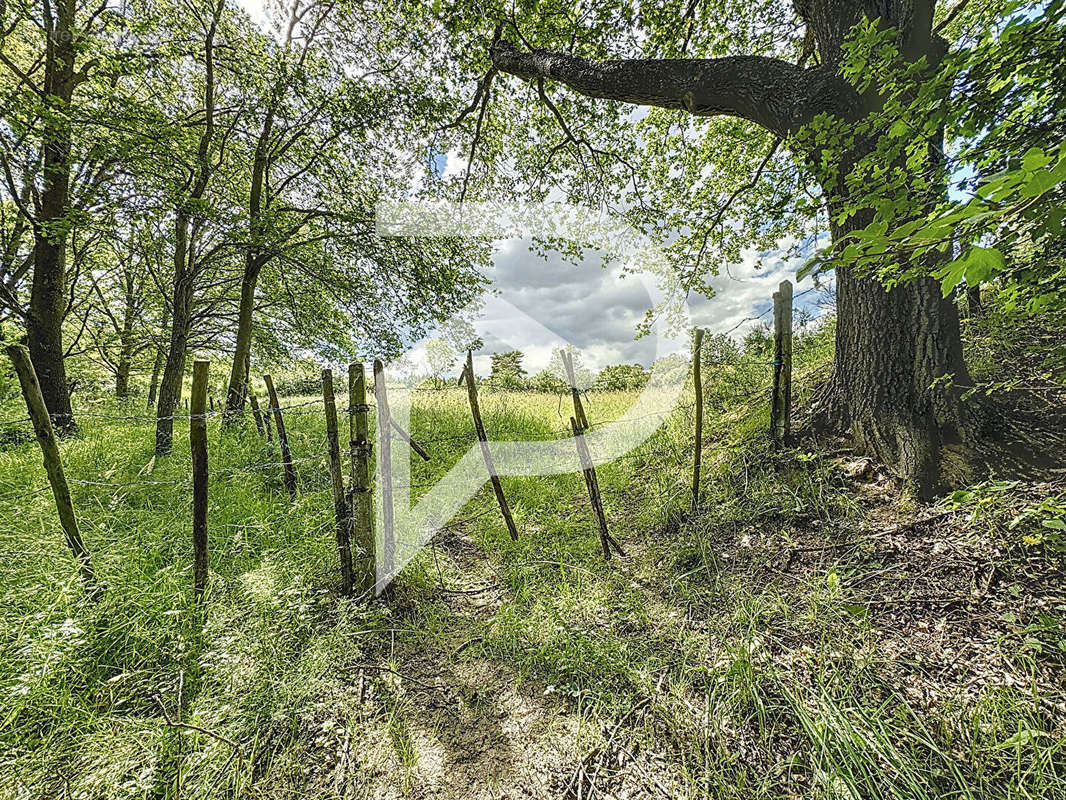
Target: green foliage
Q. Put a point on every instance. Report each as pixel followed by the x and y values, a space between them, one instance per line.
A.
pixel 507 370
pixel 621 377
pixel 583 377
pixel 546 381
pixel 1032 523
pixel 998 98
pixel 298 379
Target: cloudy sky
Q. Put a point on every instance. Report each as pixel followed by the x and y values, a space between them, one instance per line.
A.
pixel 537 304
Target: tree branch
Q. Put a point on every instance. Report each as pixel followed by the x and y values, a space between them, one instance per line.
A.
pixel 767 91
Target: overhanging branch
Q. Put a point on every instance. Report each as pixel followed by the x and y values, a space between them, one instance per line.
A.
pixel 767 91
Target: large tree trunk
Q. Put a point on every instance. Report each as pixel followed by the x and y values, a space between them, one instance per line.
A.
pixel 44 330
pixel 898 364
pixel 898 368
pixel 44 325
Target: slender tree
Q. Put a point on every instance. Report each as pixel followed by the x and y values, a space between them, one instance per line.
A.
pixel 188 224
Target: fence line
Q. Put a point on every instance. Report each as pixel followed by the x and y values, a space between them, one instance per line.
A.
pixel 352 518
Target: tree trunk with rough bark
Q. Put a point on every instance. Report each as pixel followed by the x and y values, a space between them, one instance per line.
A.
pixel 254 260
pixel 237 392
pixel 181 318
pixel 48 299
pixel 892 346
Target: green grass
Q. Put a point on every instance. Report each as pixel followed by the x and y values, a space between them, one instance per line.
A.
pixel 702 661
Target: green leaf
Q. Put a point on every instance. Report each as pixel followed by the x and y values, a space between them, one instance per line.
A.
pixel 1035 159
pixel 1022 737
pixel 981 263
pixel 950 275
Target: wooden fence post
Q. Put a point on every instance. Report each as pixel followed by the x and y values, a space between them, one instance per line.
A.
pixel 340 506
pixel 697 384
pixel 781 399
pixel 475 410
pixel 384 419
pixel 198 444
pixel 362 518
pixel 257 415
pixel 593 485
pixel 42 427
pixel 575 393
pixel 286 454
pixel 268 425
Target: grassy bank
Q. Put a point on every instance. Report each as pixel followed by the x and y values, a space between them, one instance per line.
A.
pixel 807 634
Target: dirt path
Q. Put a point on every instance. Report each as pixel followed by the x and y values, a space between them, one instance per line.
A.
pixel 449 723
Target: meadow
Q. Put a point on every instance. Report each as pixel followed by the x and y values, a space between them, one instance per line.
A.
pixel 793 638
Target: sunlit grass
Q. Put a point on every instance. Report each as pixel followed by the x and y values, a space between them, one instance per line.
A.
pixel 743 689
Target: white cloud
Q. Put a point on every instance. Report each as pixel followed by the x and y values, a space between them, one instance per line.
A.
pixel 597 310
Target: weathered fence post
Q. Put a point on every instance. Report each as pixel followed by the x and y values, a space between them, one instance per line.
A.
pixel 593 486
pixel 340 506
pixel 697 385
pixel 286 454
pixel 257 415
pixel 362 519
pixel 42 427
pixel 781 399
pixel 198 444
pixel 384 419
pixel 268 424
pixel 575 393
pixel 479 426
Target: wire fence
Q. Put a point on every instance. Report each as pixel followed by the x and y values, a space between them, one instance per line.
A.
pixel 319 464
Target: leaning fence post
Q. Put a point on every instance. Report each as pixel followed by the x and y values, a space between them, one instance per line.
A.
pixel 286 454
pixel 384 418
pixel 53 464
pixel 475 411
pixel 575 393
pixel 781 400
pixel 697 384
pixel 257 415
pixel 588 469
pixel 340 507
pixel 414 445
pixel 198 445
pixel 362 520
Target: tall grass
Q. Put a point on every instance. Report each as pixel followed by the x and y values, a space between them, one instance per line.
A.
pixel 738 688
